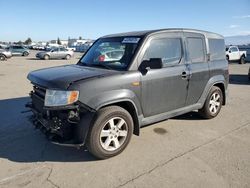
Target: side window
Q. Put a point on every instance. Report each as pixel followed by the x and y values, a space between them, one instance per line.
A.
pixel 216 49
pixel 195 49
pixel 233 49
pixel 168 49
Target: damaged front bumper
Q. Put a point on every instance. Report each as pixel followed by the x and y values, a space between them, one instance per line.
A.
pixel 67 125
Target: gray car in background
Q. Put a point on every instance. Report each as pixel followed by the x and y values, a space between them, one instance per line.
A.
pixel 18 50
pixel 55 53
pixel 4 54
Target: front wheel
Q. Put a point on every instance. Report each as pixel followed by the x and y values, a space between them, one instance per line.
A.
pixel 2 58
pixel 25 53
pixel 212 104
pixel 110 133
pixel 46 57
pixel 67 57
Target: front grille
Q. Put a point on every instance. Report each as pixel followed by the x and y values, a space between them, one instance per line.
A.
pixel 39 91
pixel 38 97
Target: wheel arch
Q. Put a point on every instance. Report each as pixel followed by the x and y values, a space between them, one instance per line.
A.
pixel 130 106
pixel 3 55
pixel 218 81
pixel 243 55
pixel 222 88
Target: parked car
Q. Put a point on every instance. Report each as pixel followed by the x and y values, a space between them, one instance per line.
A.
pixel 55 53
pixel 100 104
pixel 18 50
pixel 111 55
pixel 4 54
pixel 71 48
pixel 234 54
pixel 249 73
pixel 39 47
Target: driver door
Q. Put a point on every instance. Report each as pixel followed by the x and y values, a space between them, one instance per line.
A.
pixel 54 53
pixel 234 53
pixel 165 89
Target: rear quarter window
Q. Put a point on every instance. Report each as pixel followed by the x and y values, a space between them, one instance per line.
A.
pixel 217 49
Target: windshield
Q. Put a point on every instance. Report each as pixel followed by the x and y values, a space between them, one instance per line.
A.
pixel 111 53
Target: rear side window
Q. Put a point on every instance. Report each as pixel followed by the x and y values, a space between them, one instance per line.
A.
pixel 196 50
pixel 216 49
pixel 233 49
pixel 168 49
pixel 62 49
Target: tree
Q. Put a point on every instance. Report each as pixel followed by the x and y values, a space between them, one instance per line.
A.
pixel 80 38
pixel 19 42
pixel 59 41
pixel 28 41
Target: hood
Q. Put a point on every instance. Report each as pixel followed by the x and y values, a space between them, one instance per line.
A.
pixel 63 76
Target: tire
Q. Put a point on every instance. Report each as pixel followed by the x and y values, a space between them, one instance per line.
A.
pixel 110 133
pixel 46 57
pixel 25 53
pixel 67 57
pixel 2 57
pixel 227 57
pixel 213 103
pixel 242 60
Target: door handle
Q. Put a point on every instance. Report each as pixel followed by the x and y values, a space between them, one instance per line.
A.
pixel 184 75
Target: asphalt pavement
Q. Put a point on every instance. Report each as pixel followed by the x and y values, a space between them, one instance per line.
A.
pixel 185 151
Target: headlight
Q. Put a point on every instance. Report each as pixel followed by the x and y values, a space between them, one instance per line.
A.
pixel 60 98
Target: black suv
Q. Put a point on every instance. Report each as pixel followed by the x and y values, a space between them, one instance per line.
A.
pixel 102 100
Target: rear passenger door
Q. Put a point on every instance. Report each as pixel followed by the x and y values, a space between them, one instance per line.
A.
pixel 164 89
pixel 62 53
pixel 54 53
pixel 197 65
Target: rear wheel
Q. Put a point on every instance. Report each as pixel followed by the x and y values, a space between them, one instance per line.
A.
pixel 110 133
pixel 212 104
pixel 242 60
pixel 67 57
pixel 46 57
pixel 25 53
pixel 2 57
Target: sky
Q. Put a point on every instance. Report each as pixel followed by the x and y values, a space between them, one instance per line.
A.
pixel 46 20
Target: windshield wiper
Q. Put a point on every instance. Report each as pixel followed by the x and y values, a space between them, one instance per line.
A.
pixel 100 65
pixel 95 65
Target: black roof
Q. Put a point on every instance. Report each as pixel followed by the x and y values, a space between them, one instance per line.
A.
pixel 147 32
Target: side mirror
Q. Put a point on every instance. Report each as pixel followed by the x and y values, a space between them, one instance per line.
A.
pixel 208 57
pixel 153 63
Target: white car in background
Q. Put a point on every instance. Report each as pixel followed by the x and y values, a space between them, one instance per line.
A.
pixel 234 54
pixel 72 49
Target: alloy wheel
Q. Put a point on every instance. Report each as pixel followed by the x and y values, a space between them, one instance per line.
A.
pixel 113 134
pixel 214 103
